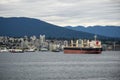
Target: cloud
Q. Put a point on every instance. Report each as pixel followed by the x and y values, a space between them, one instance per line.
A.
pixel 65 12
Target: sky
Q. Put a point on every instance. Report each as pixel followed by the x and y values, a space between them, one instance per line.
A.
pixel 65 12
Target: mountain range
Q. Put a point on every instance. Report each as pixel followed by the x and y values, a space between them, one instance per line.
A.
pixel 110 31
pixel 21 26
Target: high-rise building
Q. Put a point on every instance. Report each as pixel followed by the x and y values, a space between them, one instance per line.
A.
pixel 42 39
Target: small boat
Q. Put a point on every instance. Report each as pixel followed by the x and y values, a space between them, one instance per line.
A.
pixel 43 49
pixel 4 50
pixel 16 50
pixel 56 50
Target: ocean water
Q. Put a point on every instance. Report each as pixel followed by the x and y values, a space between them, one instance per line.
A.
pixel 60 66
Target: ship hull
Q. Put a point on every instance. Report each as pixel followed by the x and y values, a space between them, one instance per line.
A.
pixel 72 50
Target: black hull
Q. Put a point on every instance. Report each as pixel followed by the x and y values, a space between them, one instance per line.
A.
pixel 75 50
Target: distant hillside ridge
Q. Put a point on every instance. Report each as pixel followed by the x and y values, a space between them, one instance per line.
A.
pixel 21 26
pixel 110 31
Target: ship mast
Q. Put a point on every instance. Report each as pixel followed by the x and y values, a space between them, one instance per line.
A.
pixel 95 37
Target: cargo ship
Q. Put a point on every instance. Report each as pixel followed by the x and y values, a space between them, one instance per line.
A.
pixel 83 47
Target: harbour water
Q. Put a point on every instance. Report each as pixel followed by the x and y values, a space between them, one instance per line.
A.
pixel 60 66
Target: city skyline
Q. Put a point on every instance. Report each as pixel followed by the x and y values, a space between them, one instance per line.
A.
pixel 65 12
